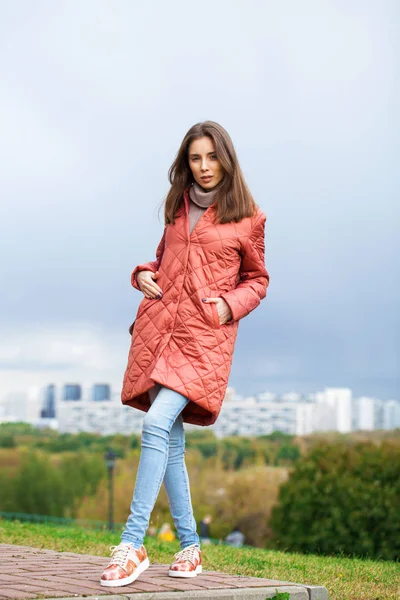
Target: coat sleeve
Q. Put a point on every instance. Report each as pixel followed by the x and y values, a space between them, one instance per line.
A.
pixel 254 277
pixel 150 266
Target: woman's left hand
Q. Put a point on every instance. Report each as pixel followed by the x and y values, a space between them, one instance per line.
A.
pixel 224 312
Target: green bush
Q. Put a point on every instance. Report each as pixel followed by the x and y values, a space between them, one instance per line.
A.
pixel 342 499
pixel 287 454
pixel 38 488
pixel 7 440
pixel 43 486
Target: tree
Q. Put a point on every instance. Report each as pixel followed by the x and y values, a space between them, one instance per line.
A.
pixel 342 498
pixel 38 487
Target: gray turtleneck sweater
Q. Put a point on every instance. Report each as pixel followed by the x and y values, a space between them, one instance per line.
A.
pixel 200 200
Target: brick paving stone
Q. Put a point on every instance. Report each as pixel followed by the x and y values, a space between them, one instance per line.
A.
pixel 211 585
pixel 55 571
pixel 64 578
pixel 71 584
pixel 7 577
pixel 72 589
pixel 35 589
pixel 36 593
pixel 10 593
pixel 53 588
pixel 140 586
pixel 47 593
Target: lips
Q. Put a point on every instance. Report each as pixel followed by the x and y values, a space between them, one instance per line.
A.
pixel 207 178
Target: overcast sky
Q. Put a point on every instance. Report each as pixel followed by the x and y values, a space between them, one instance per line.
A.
pixel 95 98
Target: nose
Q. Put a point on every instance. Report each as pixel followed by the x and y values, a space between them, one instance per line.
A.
pixel 204 166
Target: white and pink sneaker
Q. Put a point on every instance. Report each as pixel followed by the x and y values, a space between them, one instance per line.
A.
pixel 187 563
pixel 125 566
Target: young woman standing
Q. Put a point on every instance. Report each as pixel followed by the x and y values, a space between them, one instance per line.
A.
pixel 208 274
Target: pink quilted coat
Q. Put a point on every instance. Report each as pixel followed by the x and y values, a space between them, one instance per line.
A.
pixel 177 340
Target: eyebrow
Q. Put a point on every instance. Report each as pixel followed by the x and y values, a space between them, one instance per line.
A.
pixel 195 153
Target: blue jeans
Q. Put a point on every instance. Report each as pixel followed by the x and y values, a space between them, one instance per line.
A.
pixel 162 458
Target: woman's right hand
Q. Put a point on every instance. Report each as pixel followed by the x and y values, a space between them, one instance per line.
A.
pixel 147 284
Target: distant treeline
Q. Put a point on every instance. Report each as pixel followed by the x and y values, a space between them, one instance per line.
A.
pixel 277 449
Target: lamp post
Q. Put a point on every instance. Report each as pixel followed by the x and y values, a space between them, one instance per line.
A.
pixel 110 458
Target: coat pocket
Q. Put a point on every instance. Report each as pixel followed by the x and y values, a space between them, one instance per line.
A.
pixel 215 315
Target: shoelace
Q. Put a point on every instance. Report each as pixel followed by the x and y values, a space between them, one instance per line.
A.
pixel 119 555
pixel 187 554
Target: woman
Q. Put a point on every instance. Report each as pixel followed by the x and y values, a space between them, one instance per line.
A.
pixel 208 274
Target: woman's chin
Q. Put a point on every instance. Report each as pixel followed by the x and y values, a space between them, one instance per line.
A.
pixel 209 185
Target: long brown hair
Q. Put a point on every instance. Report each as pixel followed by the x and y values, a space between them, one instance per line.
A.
pixel 233 200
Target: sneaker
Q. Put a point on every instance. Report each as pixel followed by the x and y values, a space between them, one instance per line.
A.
pixel 125 566
pixel 187 563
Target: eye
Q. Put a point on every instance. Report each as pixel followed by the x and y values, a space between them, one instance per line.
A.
pixel 213 157
pixel 194 158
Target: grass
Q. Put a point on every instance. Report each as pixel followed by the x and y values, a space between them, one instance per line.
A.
pixel 345 578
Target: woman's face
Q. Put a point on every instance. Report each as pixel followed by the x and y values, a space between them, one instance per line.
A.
pixel 204 164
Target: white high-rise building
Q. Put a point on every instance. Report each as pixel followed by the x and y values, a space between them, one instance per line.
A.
pixel 341 400
pixel 365 414
pixel 391 414
pixel 324 417
pixel 21 406
pixel 305 415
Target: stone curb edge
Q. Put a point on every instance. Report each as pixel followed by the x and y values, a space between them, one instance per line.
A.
pixel 297 592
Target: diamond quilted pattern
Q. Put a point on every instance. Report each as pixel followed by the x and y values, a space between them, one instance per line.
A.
pixel 177 340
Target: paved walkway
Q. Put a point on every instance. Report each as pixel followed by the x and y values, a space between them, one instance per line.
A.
pixel 33 573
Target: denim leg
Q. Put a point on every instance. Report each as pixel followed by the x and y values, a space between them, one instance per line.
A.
pixel 157 425
pixel 176 483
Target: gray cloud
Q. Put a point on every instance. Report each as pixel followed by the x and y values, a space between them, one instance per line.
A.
pixel 95 98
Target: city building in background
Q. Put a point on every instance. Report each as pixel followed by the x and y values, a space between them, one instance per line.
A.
pixel 365 413
pixel 72 392
pixel 73 407
pixel 101 392
pixel 291 413
pixel 49 402
pixel 21 406
pixel 340 399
